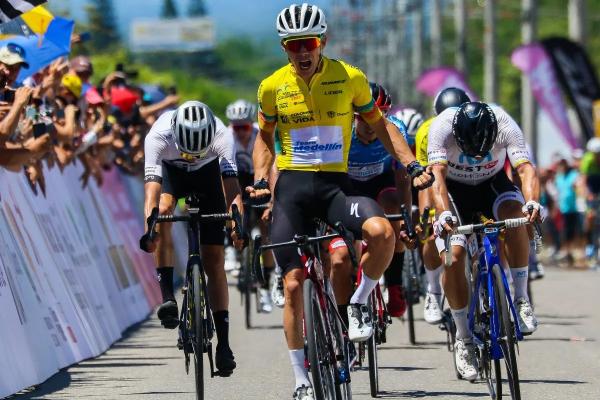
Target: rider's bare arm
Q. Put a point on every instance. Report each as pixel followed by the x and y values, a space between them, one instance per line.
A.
pixel 440 190
pixel 263 155
pixel 152 196
pixel 530 184
pixel 393 141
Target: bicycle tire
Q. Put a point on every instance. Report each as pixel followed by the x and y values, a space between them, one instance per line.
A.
pixel 411 288
pixel 195 291
pixel 507 331
pixel 321 367
pixel 489 369
pixel 343 390
pixel 372 348
pixel 247 277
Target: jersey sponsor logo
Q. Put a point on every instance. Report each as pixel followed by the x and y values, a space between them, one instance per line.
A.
pixel 284 119
pixel 333 82
pixel 296 118
pixel 333 92
pixel 333 114
pixel 473 168
pixel 437 156
pixel 465 159
pixel 312 146
pixel 354 210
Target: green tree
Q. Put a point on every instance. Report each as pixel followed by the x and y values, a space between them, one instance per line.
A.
pixel 102 24
pixel 197 8
pixel 168 9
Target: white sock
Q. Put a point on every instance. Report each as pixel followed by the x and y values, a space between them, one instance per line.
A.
pixel 361 294
pixel 462 323
pixel 433 280
pixel 520 276
pixel 300 373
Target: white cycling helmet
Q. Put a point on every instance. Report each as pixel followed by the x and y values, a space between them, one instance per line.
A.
pixel 593 145
pixel 303 20
pixel 411 118
pixel 194 127
pixel 240 111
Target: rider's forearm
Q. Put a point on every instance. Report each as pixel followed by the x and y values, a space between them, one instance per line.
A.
pixel 263 155
pixel 440 190
pixel 393 141
pixel 152 196
pixel 530 184
pixel 233 194
pixel 403 187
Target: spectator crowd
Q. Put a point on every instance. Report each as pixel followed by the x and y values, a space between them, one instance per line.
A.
pixel 57 116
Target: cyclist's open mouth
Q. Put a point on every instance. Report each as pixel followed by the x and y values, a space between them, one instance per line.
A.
pixel 305 65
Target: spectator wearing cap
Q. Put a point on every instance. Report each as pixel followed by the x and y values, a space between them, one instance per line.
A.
pixel 12 58
pixel 83 68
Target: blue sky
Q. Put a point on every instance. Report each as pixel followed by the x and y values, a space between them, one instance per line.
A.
pixel 232 17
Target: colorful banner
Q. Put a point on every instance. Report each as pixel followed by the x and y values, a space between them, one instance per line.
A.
pixel 433 80
pixel 534 62
pixel 72 278
pixel 577 77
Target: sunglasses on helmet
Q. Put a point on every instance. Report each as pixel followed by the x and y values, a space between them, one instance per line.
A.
pixel 296 45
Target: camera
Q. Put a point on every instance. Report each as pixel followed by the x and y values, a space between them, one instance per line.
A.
pixel 9 95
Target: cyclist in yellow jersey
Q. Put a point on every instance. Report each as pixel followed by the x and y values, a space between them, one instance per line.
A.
pixel 432 313
pixel 311 102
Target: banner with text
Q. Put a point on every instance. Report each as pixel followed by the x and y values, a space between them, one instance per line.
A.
pixel 71 276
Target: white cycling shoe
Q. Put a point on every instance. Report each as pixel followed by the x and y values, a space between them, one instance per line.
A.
pixel 304 393
pixel 432 313
pixel 360 325
pixel 265 301
pixel 527 321
pixel 277 295
pixel 465 357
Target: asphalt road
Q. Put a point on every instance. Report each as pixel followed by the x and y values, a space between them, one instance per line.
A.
pixel 560 361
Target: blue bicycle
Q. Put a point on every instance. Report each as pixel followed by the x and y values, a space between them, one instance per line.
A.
pixel 492 316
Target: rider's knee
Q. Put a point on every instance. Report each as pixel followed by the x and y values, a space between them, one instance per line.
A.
pixel 293 283
pixel 379 232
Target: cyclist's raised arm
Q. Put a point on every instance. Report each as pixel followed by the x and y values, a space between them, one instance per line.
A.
pixel 437 158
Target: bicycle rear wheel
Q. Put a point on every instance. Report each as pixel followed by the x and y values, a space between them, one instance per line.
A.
pixel 322 367
pixel 489 369
pixel 507 339
pixel 341 347
pixel 195 293
pixel 372 347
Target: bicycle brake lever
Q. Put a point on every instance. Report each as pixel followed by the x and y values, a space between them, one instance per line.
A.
pixel 448 254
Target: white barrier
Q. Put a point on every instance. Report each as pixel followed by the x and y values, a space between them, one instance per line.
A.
pixel 71 276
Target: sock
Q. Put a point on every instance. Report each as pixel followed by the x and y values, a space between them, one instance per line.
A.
pixel 267 275
pixel 393 275
pixel 221 319
pixel 520 276
pixel 462 323
pixel 165 280
pixel 433 280
pixel 363 291
pixel 300 373
pixel 343 310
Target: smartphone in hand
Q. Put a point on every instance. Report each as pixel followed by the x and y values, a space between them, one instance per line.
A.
pixel 39 129
pixel 9 96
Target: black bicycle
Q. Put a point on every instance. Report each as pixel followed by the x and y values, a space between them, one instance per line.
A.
pixel 248 284
pixel 196 325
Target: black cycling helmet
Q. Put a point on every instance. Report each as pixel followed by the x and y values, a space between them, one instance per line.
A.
pixel 449 97
pixel 382 98
pixel 475 128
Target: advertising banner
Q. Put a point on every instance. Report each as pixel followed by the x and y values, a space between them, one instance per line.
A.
pixel 72 278
pixel 433 80
pixel 577 77
pixel 533 61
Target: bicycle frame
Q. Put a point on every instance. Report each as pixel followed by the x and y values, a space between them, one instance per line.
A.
pixel 486 256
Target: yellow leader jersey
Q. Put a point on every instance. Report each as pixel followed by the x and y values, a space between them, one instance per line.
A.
pixel 314 122
pixel 421 142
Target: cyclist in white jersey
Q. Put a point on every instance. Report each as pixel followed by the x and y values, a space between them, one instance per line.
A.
pixel 187 151
pixel 242 115
pixel 467 148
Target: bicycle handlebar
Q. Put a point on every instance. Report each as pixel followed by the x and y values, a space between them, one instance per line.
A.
pixel 507 223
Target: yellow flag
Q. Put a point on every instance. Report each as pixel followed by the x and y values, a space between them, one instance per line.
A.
pixel 38 19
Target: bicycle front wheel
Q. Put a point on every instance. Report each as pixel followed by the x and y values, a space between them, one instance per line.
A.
pixel 372 347
pixel 195 292
pixel 507 334
pixel 322 366
pixel 248 285
pixel 412 292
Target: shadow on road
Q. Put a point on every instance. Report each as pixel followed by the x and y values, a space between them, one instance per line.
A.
pixel 553 381
pixel 426 394
pixel 57 382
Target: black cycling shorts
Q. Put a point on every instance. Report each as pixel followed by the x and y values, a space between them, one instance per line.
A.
pixel 484 197
pixel 374 186
pixel 301 196
pixel 206 183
